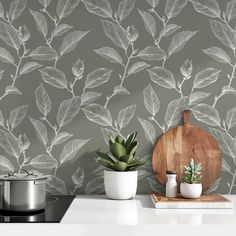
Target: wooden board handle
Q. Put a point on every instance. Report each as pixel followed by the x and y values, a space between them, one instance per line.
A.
pixel 186 118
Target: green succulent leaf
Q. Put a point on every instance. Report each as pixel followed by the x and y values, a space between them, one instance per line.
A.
pixel 120 166
pixel 127 158
pixel 120 140
pixel 117 150
pixel 132 147
pixel 105 156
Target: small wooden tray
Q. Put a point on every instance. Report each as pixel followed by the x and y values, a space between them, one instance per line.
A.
pixel 210 201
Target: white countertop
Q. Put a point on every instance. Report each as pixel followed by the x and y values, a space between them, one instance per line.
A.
pixel 96 215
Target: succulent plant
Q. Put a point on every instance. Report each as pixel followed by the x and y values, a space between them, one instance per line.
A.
pixel 192 174
pixel 122 154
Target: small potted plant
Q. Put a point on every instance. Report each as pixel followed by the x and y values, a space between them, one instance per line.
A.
pixel 121 175
pixel 192 187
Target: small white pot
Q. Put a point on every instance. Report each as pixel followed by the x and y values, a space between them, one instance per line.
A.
pixel 120 185
pixel 190 190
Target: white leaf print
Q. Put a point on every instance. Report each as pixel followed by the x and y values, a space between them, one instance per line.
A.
pixel 1 73
pixel 89 97
pixel 78 69
pixel 209 8
pixel 214 187
pixel 206 77
pixel 60 138
pixel 45 3
pixel 151 100
pixel 231 9
pixel 137 67
pixel 56 186
pixel 151 53
pixel 153 3
pixel 78 177
pixel 179 40
pixel 174 111
pixel 162 77
pixel 60 30
pixel 142 174
pixel 1 118
pixel 149 22
pixel 225 166
pixel 95 186
pixel 106 133
pixel 98 114
pixel 149 130
pixel 224 33
pixel 5 56
pixel 169 29
pixel 41 130
pixel 5 164
pixel 155 186
pixel 43 161
pixel 43 53
pixel 124 8
pixel 10 144
pixel 41 22
pixel 43 101
pixel 54 77
pixel 125 116
pixel 1 11
pixel 9 36
pixel 218 54
pixel 120 90
pixel 65 7
pixel 68 109
pixel 12 90
pixel 231 118
pixel 228 90
pixel 99 7
pixel 16 8
pixel 110 54
pixel 71 149
pixel 70 41
pixel 174 7
pixel 29 67
pixel 206 114
pixel 116 34
pixel 97 77
pixel 198 97
pixel 17 115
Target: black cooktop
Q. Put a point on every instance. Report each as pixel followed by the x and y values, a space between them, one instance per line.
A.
pixel 56 207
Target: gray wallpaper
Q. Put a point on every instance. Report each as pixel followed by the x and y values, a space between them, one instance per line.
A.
pixel 73 71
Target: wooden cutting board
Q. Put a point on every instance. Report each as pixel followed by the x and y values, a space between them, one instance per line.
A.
pixel 178 145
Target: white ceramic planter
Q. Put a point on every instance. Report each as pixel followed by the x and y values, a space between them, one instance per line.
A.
pixel 190 190
pixel 120 185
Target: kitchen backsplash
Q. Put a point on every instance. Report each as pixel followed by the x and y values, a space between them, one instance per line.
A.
pixel 73 71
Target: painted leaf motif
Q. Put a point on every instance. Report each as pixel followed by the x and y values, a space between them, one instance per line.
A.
pixel 169 29
pixel 54 77
pixel 41 22
pixel 153 3
pixel 60 138
pixel 17 115
pixel 137 67
pixel 56 186
pixel 228 90
pixel 43 101
pixel 206 77
pixel 162 77
pixel 43 161
pixel 70 41
pixel 65 7
pixel 149 130
pixel 29 67
pixel 78 69
pixel 225 165
pixel 231 9
pixel 110 54
pixel 12 90
pixel 1 10
pixel 68 109
pixel 98 114
pixel 124 8
pixel 9 36
pixel 95 186
pixel 106 133
pixel 125 116
pixel 231 118
pixel 5 56
pixel 151 100
pixel 97 77
pixel 71 149
pixel 155 186
pixel 151 53
pixel 206 114
pixel 218 54
pixel 89 97
pixel 214 187
pixel 43 53
pixel 78 177
pixel 116 34
pixel 1 73
pixel 5 164
pixel 45 3
pixel 198 97
pixel 60 30
pixel 209 8
pixel 179 40
pixel 41 130
pixel 99 7
pixel 149 22
pixel 120 90
pixel 1 118
pixel 224 33
pixel 9 144
pixel 16 8
pixel 174 7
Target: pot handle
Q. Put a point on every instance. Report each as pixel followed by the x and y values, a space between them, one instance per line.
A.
pixel 14 172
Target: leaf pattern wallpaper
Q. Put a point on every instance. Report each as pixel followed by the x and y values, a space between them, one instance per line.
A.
pixel 73 71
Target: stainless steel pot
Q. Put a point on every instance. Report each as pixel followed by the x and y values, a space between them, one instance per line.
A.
pixel 22 192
